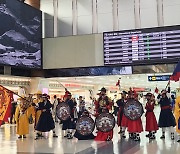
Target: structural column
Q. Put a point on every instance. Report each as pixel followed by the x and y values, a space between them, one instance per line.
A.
pixel 160 17
pixel 137 13
pixel 94 17
pixel 115 15
pixel 55 4
pixel 74 16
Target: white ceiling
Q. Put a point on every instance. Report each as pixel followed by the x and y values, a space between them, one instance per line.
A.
pixel 136 80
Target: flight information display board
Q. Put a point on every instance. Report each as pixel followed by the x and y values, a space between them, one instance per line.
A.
pixel 142 46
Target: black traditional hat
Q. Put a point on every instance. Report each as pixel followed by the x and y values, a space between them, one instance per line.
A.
pixel 124 92
pixel 103 89
pixel 148 94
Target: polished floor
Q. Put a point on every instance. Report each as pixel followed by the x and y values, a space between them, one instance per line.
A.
pixel 9 144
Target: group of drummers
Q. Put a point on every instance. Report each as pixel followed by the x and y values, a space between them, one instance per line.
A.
pixel 81 124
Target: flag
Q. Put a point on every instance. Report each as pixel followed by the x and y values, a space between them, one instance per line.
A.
pixel 5 104
pixel 156 90
pixel 176 74
pixel 118 83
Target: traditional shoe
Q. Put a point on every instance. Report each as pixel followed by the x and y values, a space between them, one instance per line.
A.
pixel 36 138
pixel 39 135
pixel 123 135
pixel 172 136
pixel 137 139
pixel 152 137
pixel 70 136
pixel 66 135
pixel 55 136
pixel 20 136
pixel 162 137
pixel 108 138
pixel 24 136
pixel 178 140
pixel 120 131
pixel 131 136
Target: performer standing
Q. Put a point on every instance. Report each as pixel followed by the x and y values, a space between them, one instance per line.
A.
pixel 134 126
pixel 151 123
pixel 22 115
pixel 177 116
pixel 55 103
pixel 81 106
pixel 46 122
pixel 68 125
pixel 13 110
pixel 120 104
pixel 103 104
pixel 166 118
pixel 37 113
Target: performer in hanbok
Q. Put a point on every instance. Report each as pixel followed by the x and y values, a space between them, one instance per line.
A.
pixel 84 137
pixel 166 118
pixel 134 126
pixel 177 116
pixel 22 115
pixel 120 104
pixel 151 123
pixel 37 113
pixel 45 122
pixel 68 125
pixel 103 104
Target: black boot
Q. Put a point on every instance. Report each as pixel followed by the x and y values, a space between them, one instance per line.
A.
pixel 131 136
pixel 20 136
pixel 172 136
pixel 152 135
pixel 137 137
pixel 24 136
pixel 54 135
pixel 163 135
pixel 69 136
pixel 120 131
pixel 123 135
pixel 148 135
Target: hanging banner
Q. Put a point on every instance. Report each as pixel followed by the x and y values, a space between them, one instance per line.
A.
pixel 5 104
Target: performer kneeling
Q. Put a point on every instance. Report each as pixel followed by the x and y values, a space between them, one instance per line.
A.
pixel 151 123
pixel 103 104
pixel 46 122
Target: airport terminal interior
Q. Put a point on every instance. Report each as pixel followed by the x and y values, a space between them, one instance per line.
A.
pixel 89 76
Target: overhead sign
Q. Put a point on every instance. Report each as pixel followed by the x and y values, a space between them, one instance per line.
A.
pixel 159 78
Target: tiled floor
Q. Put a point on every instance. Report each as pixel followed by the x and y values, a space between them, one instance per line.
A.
pixel 9 144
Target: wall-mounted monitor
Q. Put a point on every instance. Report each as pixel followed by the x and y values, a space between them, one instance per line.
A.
pixel 20 35
pixel 142 46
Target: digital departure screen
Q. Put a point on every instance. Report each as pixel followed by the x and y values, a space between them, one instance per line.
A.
pixel 142 46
